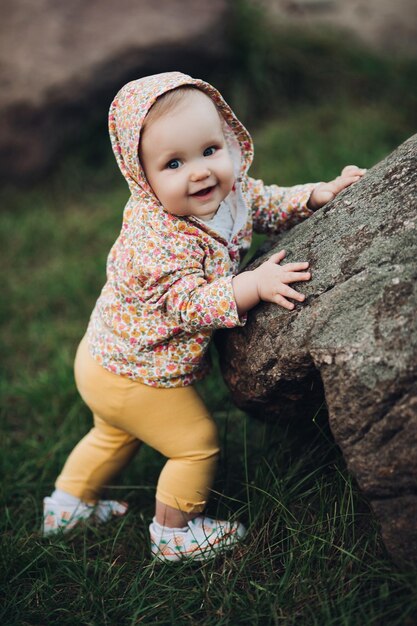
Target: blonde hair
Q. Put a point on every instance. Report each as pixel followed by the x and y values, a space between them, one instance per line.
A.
pixel 167 102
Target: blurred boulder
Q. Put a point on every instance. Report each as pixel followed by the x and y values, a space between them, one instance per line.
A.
pixel 386 26
pixel 353 342
pixel 61 63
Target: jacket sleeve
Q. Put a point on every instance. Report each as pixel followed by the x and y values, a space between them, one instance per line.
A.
pixel 275 208
pixel 173 285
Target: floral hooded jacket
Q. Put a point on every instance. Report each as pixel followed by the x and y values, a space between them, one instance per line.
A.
pixel 169 278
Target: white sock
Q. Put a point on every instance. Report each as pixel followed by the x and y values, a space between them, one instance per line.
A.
pixel 166 530
pixel 65 499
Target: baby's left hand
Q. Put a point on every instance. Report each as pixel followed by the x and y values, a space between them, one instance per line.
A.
pixel 324 192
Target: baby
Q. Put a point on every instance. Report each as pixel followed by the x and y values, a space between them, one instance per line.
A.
pixel 171 281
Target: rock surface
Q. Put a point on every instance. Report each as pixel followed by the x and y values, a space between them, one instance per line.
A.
pixel 355 336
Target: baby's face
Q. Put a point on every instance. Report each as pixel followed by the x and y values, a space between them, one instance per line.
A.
pixel 186 159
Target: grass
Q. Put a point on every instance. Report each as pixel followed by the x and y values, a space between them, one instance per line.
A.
pixel 313 554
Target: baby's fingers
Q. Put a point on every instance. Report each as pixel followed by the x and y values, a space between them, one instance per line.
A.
pixel 277 257
pixel 288 292
pixel 295 267
pixel 293 277
pixel 353 170
pixel 278 299
pixel 342 182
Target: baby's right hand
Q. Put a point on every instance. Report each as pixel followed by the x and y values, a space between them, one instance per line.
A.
pixel 272 280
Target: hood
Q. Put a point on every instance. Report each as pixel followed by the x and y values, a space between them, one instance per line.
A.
pixel 128 111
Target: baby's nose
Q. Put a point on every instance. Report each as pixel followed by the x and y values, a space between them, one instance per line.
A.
pixel 199 174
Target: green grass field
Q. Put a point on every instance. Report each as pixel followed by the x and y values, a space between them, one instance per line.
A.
pixel 313 554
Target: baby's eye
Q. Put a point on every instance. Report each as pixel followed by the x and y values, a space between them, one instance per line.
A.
pixel 209 151
pixel 173 164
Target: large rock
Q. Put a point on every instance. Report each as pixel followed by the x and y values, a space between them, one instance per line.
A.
pixel 355 336
pixel 62 62
pixel 386 26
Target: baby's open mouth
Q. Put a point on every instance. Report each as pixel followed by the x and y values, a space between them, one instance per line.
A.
pixel 203 192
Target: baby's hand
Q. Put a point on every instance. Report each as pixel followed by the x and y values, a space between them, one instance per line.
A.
pixel 273 280
pixel 324 192
pixel 269 282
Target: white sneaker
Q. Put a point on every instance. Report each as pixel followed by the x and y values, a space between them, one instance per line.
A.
pixel 62 518
pixel 201 539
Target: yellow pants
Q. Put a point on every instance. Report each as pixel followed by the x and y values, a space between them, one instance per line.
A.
pixel 173 421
